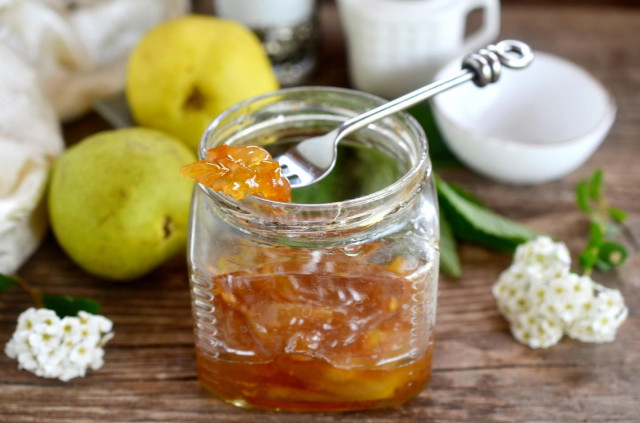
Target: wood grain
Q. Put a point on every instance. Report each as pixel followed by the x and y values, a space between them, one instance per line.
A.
pixel 480 372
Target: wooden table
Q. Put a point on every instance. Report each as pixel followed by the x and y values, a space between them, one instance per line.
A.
pixel 480 372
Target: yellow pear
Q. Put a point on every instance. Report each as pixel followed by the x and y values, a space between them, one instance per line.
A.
pixel 186 71
pixel 117 203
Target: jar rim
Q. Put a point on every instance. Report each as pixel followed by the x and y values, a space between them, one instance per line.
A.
pixel 293 218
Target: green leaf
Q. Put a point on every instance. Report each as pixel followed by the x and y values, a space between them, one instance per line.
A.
pixel 617 214
pixel 582 196
pixel 605 224
pixel 6 282
pixel 440 155
pixel 588 258
pixel 475 223
pixel 595 185
pixel 612 254
pixel 65 305
pixel 596 235
pixel 449 259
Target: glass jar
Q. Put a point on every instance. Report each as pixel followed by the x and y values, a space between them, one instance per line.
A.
pixel 316 307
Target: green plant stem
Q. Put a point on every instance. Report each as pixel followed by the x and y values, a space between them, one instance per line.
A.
pixel 35 293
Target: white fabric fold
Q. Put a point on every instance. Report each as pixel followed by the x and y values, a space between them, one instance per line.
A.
pixel 79 48
pixel 30 138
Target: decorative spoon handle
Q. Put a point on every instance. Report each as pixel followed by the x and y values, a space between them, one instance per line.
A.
pixel 482 67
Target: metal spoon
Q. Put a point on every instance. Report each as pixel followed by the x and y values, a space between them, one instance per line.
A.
pixel 312 159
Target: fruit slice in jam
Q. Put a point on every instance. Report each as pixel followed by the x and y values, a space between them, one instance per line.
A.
pixel 240 171
pixel 310 331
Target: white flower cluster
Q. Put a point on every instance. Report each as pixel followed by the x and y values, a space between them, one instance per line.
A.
pixel 64 348
pixel 543 300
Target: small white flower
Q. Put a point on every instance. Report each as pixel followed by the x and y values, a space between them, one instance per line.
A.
pixel 566 296
pixel 27 320
pixel 44 342
pixel 45 321
pixel 106 338
pixel 59 348
pixel 11 349
pixel 512 288
pixel 71 372
pixel 49 367
pixel 544 254
pixel 70 327
pixel 600 317
pixel 536 330
pixel 97 359
pixel 101 323
pixel 28 361
pixel 52 363
pixel 82 353
pixel 89 327
pixel 18 344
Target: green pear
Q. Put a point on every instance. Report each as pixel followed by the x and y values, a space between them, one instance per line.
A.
pixel 186 71
pixel 117 203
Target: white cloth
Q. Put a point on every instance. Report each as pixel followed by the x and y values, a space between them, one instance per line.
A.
pixel 29 140
pixel 79 48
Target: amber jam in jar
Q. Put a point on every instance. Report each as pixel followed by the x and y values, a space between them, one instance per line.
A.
pixel 318 307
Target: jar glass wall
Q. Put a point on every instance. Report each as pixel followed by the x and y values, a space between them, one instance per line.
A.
pixel 316 307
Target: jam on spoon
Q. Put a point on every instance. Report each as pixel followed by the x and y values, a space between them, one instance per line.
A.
pixel 240 171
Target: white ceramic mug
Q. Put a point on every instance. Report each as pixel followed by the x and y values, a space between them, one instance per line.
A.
pixel 395 46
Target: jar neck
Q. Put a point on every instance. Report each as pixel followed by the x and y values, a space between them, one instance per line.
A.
pixel 330 223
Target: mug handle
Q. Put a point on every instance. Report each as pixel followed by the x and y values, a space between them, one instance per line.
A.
pixel 490 25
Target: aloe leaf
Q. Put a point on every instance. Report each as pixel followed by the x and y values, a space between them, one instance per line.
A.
pixel 449 259
pixel 472 222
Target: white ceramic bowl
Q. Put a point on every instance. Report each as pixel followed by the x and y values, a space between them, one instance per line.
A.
pixel 532 126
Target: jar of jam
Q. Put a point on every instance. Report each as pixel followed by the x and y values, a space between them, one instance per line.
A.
pixel 327 303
